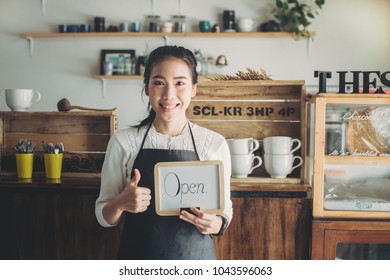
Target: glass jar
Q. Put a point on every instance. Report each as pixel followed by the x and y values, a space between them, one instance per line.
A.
pixel 153 23
pixel 199 61
pixel 99 24
pixel 208 66
pixel 179 23
pixel 335 133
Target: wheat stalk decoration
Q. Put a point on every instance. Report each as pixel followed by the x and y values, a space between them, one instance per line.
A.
pixel 250 74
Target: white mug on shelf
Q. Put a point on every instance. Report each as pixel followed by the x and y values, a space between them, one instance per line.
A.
pixel 21 99
pixel 279 166
pixel 242 146
pixel 243 165
pixel 280 145
pixel 245 24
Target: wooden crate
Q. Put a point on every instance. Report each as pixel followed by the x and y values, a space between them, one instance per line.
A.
pixel 84 134
pixel 254 109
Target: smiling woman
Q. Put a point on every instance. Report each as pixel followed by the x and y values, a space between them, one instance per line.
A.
pixel 166 135
pixel 170 90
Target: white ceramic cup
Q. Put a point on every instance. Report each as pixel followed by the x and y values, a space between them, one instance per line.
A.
pixel 279 166
pixel 280 145
pixel 245 24
pixel 21 99
pixel 243 165
pixel 242 146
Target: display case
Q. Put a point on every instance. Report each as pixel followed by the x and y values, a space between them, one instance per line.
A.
pixel 351 163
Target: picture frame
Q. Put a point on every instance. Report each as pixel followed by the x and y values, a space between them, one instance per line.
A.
pixel 114 56
pixel 184 184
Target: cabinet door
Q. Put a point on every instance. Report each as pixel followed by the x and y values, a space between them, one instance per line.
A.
pixel 352 158
pixel 351 240
pixel 266 228
pixel 53 224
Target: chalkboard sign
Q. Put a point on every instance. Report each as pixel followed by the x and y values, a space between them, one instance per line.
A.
pixel 186 184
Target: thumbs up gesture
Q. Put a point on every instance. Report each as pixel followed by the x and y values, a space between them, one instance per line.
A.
pixel 136 199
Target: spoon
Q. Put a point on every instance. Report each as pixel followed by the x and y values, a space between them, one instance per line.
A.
pixel 64 106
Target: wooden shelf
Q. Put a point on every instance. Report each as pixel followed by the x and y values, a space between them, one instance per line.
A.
pixel 357 160
pixel 119 77
pixel 159 34
pixel 263 184
pixel 140 77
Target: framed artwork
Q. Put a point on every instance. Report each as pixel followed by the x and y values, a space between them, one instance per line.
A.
pixel 184 184
pixel 115 56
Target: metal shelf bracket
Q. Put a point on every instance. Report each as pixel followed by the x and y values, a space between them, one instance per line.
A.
pixel 31 45
pixel 104 87
pixel 166 40
pixel 43 7
pixel 308 45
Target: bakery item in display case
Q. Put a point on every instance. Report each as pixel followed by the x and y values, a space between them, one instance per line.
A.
pixel 368 131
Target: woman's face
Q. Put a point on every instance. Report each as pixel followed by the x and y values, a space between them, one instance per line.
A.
pixel 170 89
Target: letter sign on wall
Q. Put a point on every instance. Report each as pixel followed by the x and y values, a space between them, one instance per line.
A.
pixel 187 184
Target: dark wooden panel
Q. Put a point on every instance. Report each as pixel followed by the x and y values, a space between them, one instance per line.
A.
pixel 267 229
pixel 328 233
pixel 44 223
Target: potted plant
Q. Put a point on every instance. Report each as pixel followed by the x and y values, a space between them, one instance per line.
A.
pixel 296 15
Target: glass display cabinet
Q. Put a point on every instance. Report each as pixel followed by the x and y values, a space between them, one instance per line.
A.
pixel 351 176
pixel 351 156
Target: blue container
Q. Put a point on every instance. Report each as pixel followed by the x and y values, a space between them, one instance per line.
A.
pixel 62 28
pixel 73 28
pixel 85 27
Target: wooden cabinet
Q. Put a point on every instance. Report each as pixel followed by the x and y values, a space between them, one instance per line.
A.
pixel 56 221
pixel 267 226
pixel 53 221
pixel 250 108
pixel 84 135
pixel 350 239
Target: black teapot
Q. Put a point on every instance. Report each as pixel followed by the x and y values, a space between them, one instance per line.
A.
pixel 270 26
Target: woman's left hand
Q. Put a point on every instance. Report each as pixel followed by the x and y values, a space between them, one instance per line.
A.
pixel 206 223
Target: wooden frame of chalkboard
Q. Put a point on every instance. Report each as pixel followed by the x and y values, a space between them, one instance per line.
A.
pixel 187 184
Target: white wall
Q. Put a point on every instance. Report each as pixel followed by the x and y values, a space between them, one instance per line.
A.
pixel 350 35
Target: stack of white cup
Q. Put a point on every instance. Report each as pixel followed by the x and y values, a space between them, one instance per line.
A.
pixel 242 156
pixel 279 155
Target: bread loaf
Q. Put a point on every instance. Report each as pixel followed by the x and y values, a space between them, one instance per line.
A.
pixel 368 131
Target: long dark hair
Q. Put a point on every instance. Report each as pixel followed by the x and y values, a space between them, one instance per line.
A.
pixel 154 58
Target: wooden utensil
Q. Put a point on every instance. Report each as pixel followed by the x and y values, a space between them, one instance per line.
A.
pixel 64 106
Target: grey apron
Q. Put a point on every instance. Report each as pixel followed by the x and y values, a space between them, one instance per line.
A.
pixel 147 236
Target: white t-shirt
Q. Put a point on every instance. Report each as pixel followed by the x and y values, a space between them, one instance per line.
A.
pixel 125 144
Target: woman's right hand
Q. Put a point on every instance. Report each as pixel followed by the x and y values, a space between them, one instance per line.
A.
pixel 135 199
pixel 132 199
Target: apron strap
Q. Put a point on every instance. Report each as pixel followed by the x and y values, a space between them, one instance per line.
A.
pixel 146 133
pixel 193 141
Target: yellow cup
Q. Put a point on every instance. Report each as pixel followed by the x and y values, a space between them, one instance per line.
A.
pixel 53 165
pixel 24 165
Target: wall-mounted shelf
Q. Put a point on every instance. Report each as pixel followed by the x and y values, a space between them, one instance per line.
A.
pixel 159 34
pixel 104 78
pixel 140 77
pixel 79 35
pixel 119 77
pixel 31 36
